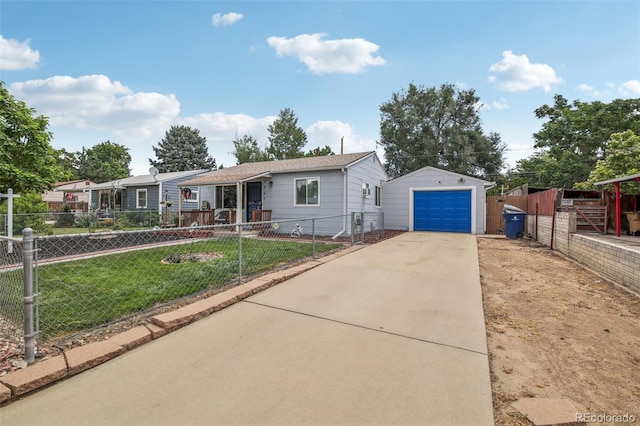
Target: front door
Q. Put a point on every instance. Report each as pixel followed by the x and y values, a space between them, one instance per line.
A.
pixel 254 198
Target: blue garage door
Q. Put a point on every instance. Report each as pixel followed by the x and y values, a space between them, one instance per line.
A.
pixel 446 211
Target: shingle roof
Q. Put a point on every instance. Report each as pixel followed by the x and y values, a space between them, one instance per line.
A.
pixel 142 180
pixel 245 171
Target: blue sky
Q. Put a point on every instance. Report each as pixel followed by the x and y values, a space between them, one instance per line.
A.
pixel 125 71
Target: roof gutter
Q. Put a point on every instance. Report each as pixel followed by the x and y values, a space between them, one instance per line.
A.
pixel 344 204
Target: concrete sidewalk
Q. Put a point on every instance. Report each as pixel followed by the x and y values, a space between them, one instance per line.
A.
pixel 389 334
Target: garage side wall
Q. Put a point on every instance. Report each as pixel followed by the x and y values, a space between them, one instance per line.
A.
pixel 397 196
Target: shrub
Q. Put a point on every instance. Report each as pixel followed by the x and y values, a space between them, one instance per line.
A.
pixel 66 218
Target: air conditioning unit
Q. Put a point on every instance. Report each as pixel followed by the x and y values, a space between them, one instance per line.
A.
pixel 366 190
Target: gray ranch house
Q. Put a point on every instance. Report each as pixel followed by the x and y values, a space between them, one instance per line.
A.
pixel 333 185
pixel 431 199
pixel 152 192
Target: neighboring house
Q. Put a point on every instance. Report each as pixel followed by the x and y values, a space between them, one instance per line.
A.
pixel 333 185
pixel 73 193
pixel 144 192
pixel 431 199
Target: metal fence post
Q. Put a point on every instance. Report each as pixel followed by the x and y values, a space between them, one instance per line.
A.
pixel 313 238
pixel 382 220
pixel 29 336
pixel 240 254
pixel 353 225
pixel 362 222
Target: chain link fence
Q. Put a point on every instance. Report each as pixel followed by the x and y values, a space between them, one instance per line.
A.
pixel 11 281
pixel 89 279
pixel 51 223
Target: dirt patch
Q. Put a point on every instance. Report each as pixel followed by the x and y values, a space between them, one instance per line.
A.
pixel 190 257
pixel 556 330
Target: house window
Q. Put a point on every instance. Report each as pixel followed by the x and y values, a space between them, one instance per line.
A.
pixel 191 196
pixel 378 196
pixel 366 190
pixel 226 197
pixel 141 198
pixel 307 192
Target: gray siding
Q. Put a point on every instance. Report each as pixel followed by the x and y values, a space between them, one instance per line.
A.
pixel 368 170
pixel 129 198
pixel 396 196
pixel 280 197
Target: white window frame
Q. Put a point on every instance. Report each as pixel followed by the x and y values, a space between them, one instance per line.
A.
pixel 378 194
pixel 195 196
pixel 366 190
pixel 146 198
pixel 295 192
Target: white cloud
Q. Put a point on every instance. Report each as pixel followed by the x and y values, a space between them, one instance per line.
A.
pixel 96 102
pixel 220 20
pixel 500 104
pixel 326 132
pixel 15 55
pixel 593 91
pixel 630 88
pixel 516 74
pixel 221 129
pixel 349 56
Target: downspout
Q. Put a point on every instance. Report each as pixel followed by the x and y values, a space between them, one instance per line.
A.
pixel 344 204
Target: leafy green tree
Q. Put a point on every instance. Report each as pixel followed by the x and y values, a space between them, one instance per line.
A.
pixel 105 162
pixel 623 159
pixel 319 152
pixel 246 150
pixel 286 139
pixel 437 127
pixel 182 149
pixel 29 212
pixel 68 163
pixel 27 160
pixel 575 134
pixel 546 171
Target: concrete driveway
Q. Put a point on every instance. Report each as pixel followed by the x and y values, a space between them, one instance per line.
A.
pixel 390 334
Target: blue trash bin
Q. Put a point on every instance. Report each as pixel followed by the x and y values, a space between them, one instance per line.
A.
pixel 514 224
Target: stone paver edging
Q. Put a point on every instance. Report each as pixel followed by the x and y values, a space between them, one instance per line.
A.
pixel 81 358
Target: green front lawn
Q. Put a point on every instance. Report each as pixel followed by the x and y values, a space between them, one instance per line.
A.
pixel 83 294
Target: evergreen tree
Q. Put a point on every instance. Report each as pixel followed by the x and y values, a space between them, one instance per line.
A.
pixel 286 139
pixel 319 152
pixel 182 149
pixel 247 150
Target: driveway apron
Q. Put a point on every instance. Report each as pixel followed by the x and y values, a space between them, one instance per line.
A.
pixel 390 334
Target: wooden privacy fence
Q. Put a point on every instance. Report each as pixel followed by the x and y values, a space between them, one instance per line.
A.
pixel 495 203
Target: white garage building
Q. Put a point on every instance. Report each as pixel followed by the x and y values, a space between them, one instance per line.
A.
pixel 431 199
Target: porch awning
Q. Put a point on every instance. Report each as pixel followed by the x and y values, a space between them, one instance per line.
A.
pixel 223 179
pixel 616 182
pixel 103 187
pixel 619 179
